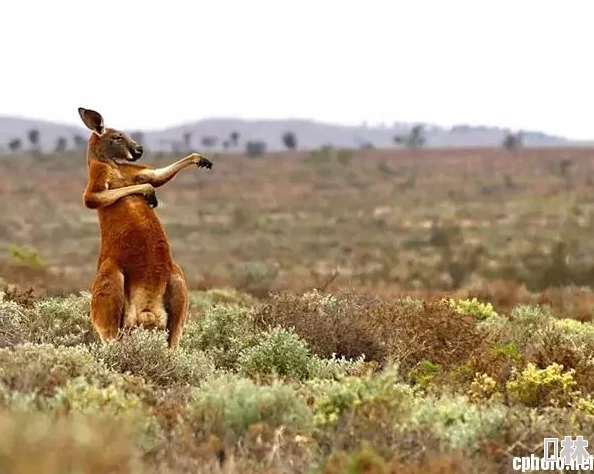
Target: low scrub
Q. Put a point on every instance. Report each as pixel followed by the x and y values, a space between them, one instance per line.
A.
pixel 299 383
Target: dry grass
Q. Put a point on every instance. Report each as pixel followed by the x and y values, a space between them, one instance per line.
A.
pixel 436 220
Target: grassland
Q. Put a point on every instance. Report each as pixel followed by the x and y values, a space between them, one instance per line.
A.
pixel 299 265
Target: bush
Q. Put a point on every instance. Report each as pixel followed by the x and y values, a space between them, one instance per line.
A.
pixel 329 325
pixel 576 333
pixel 483 387
pixel 64 321
pixel 457 423
pixel 526 322
pixel 280 352
pixel 42 368
pixel 383 331
pixel 231 402
pixel 336 367
pixel 424 373
pixel 224 332
pixel 60 321
pixel 12 329
pixel 145 353
pixel 333 400
pixel 535 387
pixel 473 307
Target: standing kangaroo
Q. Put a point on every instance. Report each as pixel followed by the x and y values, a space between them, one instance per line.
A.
pixel 137 282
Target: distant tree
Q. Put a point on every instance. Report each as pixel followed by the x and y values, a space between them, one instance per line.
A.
pixel 33 136
pixel 513 141
pixel 61 145
pixel 209 141
pixel 290 140
pixel 253 148
pixel 15 145
pixel 187 139
pixel 414 139
pixel 226 144
pixel 234 136
pixel 79 142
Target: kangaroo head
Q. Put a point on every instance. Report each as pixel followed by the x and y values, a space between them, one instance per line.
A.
pixel 109 143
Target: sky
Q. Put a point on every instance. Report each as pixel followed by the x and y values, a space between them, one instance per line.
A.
pixel 523 64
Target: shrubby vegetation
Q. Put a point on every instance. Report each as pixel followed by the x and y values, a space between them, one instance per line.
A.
pixel 305 383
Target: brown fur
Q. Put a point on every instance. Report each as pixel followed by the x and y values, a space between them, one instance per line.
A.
pixel 137 282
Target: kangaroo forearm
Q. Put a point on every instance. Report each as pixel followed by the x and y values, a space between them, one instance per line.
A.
pixel 160 176
pixel 108 197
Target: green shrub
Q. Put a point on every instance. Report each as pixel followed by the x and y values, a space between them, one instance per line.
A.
pixel 497 327
pixel 455 421
pixel 282 352
pixel 576 332
pixel 145 353
pixel 334 367
pixel 483 387
pixel 13 331
pixel 42 368
pixel 473 306
pixel 526 322
pixel 535 387
pixel 59 321
pixel 585 405
pixel 279 352
pixel 224 332
pixel 63 321
pixel 231 402
pixel 332 400
pixel 424 372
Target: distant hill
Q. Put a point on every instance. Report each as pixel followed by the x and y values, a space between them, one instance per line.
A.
pixel 310 134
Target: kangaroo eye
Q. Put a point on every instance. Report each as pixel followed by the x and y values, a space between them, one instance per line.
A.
pixel 117 139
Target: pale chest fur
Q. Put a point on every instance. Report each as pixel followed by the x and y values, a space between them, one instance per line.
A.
pixel 116 179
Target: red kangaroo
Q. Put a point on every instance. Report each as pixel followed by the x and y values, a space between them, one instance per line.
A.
pixel 137 282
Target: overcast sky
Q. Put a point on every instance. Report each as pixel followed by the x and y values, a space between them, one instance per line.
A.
pixel 153 64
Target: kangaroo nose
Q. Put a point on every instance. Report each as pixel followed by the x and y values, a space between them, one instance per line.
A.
pixel 138 149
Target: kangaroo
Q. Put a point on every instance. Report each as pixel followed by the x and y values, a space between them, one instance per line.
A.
pixel 137 282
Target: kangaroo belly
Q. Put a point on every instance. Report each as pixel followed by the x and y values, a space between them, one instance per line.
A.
pixel 132 235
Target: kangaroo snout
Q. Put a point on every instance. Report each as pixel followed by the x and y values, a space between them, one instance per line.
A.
pixel 137 152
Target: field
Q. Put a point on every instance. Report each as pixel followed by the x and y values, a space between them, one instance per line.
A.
pixel 364 311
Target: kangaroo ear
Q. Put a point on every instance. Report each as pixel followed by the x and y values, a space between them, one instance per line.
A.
pixel 93 120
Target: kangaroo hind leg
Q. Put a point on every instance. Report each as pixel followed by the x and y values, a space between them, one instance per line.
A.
pixel 108 301
pixel 176 305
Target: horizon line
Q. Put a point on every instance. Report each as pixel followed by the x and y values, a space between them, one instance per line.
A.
pixel 362 124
